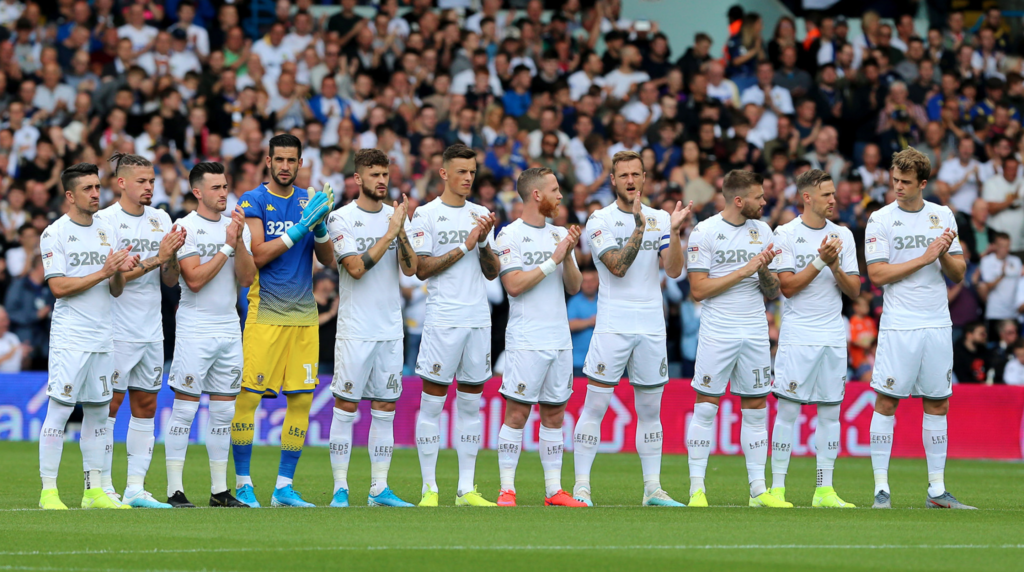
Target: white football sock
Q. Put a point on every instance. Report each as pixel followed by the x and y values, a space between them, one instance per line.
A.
pixel 699 438
pixel 218 443
pixel 552 445
pixel 428 438
pixel 754 439
pixel 782 440
pixel 587 437
pixel 140 453
pixel 106 481
pixel 179 426
pixel 51 442
pixel 881 448
pixel 934 434
pixel 382 446
pixel 469 431
pixel 649 435
pixel 94 442
pixel 510 444
pixel 826 441
pixel 341 446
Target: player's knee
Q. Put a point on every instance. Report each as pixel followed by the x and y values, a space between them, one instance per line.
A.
pixel 385 406
pixel 143 404
pixel 300 402
pixel 936 407
pixel 552 415
pixel 789 411
pixel 753 402
pixel 115 403
pixel 886 405
pixel 516 414
pixel 648 403
pixel 712 399
pixel 826 413
pixel 346 406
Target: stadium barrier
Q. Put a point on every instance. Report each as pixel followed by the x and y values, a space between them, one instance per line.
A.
pixel 984 422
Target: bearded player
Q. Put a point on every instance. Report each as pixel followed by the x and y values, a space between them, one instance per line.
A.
pixel 816 265
pixel 629 240
pixel 372 247
pixel 538 268
pixel 909 245
pixel 281 343
pixel 452 236
pixel 138 326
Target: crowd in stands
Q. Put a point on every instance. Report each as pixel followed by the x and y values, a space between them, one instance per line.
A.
pixel 184 81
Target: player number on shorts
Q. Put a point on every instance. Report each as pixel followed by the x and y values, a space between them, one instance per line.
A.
pixel 394 384
pixel 309 373
pixel 159 377
pixel 237 384
pixel 106 388
pixel 758 379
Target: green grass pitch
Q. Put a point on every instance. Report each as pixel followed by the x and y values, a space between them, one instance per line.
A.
pixel 619 534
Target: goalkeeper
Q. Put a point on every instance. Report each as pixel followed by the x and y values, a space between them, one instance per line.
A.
pixel 280 342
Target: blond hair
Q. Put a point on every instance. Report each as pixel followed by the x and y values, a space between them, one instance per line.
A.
pixel 912 160
pixel 625 156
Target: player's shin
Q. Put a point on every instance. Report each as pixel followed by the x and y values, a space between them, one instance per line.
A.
pixel 469 432
pixel 341 446
pixel 242 428
pixel 754 438
pixel 587 436
pixel 826 441
pixel 139 445
pixel 510 444
pixel 551 449
pixel 94 429
pixel 382 445
pixel 649 436
pixel 881 449
pixel 218 440
pixel 293 436
pixel 782 440
pixel 176 442
pixel 934 434
pixel 698 443
pixel 428 438
pixel 51 442
pixel 106 480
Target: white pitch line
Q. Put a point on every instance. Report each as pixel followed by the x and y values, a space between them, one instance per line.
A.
pixel 525 547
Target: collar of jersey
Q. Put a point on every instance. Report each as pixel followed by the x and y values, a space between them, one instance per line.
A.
pixel 811 227
pixel 272 193
pixel 206 219
pixel 906 211
pixel 80 224
pixel 130 214
pixel 370 212
pixel 531 226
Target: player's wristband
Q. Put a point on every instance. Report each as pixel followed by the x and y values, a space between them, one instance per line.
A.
pixel 819 263
pixel 463 248
pixel 548 267
pixel 294 234
pixel 227 251
pixel 320 232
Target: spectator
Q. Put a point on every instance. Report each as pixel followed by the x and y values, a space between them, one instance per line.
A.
pixel 1014 372
pixel 1003 198
pixel 971 357
pixel 31 303
pixel 11 349
pixel 958 178
pixel 689 314
pixel 622 82
pixel 582 311
pixel 863 335
pixel 325 292
pixel 1000 273
pixel 19 258
pixel 773 98
pixel 745 51
pixel 796 80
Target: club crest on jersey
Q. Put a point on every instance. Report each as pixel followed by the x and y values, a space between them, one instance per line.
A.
pixel 189 380
pixel 791 388
pixel 705 381
pixel 521 389
pixel 347 387
pixel 600 369
pixel 67 390
pixel 156 225
pixel 115 377
pixel 555 237
pixel 435 369
pixel 833 235
pixel 259 380
pixel 889 382
pixel 934 219
pixel 755 236
pixel 103 238
pixel 303 203
pixel 652 224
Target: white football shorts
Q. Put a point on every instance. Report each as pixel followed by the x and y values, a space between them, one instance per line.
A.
pixel 79 377
pixel 206 365
pixel 916 363
pixel 462 353
pixel 746 364
pixel 537 376
pixel 367 370
pixel 138 366
pixel 810 374
pixel 645 356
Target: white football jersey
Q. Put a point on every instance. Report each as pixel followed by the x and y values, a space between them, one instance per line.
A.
pixel 210 312
pixel 537 319
pixel 457 297
pixel 895 236
pixel 718 248
pixel 631 304
pixel 137 310
pixel 814 316
pixel 80 322
pixel 369 308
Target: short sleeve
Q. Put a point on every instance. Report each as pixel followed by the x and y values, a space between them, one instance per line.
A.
pixel 250 206
pixel 341 236
pixel 52 251
pixel 599 235
pixel 698 253
pixel 990 271
pixel 247 238
pixel 421 233
pixel 189 248
pixel 784 261
pixel 506 248
pixel 849 263
pixel 876 241
pixel 666 236
pixel 955 247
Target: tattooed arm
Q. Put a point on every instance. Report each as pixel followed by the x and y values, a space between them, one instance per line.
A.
pixel 430 266
pixel 407 260
pixel 619 260
pixel 489 263
pixel 768 282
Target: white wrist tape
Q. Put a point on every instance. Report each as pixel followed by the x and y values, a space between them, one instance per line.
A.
pixel 287 240
pixel 322 239
pixel 463 248
pixel 227 251
pixel 819 263
pixel 548 267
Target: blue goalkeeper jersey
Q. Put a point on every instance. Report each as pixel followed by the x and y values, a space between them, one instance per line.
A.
pixel 282 292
